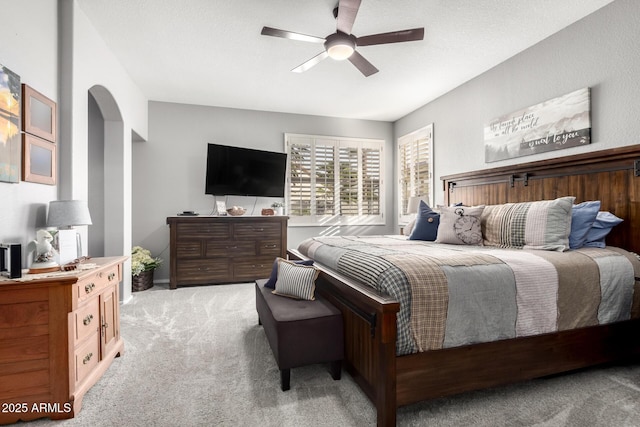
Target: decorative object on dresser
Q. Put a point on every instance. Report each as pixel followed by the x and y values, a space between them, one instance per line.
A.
pixel 142 267
pixel 59 332
pixel 278 208
pixel 236 211
pixel 44 257
pixel 219 249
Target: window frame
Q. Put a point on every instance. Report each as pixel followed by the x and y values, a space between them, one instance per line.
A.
pixel 409 138
pixel 335 219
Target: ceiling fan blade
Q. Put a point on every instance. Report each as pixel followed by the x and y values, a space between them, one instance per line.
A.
pixel 310 63
pixel 362 64
pixel 347 11
pixel 268 31
pixel 392 37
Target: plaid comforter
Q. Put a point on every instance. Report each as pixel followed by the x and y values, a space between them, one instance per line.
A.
pixel 454 295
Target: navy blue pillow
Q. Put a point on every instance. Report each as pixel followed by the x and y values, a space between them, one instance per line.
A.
pixel 271 283
pixel 427 222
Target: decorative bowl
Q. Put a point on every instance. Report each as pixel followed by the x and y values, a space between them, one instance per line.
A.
pixel 236 211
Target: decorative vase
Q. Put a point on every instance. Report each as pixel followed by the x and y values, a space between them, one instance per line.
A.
pixel 142 281
pixel 280 210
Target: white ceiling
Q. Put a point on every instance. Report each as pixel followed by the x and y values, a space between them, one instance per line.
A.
pixel 210 52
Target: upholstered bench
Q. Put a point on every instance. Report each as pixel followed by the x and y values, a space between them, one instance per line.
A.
pixel 300 332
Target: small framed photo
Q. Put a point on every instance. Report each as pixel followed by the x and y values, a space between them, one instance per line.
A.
pixel 38 160
pixel 221 207
pixel 38 114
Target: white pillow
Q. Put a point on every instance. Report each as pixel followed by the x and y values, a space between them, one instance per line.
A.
pixel 460 225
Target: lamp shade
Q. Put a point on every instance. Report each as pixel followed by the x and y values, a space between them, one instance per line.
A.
pixel 67 213
pixel 412 206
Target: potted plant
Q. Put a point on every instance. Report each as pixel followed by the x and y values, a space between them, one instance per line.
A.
pixel 142 267
pixel 278 207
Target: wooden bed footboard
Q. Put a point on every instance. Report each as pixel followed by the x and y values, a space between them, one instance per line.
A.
pixel 370 337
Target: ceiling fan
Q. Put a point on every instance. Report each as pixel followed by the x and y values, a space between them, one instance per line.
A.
pixel 342 44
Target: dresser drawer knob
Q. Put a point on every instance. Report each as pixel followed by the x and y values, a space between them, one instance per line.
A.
pixel 87 358
pixel 87 319
pixel 111 276
pixel 270 246
pixel 89 287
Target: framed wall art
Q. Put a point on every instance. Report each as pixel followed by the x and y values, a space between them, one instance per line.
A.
pixel 39 160
pixel 38 114
pixel 10 146
pixel 555 124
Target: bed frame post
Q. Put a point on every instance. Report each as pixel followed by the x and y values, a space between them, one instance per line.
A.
pixel 385 399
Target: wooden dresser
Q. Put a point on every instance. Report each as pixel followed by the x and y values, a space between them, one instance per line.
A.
pixel 58 335
pixel 224 249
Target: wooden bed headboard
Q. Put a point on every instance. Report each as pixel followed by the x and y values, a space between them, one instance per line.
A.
pixel 611 176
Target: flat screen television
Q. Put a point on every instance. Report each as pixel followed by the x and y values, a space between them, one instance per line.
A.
pixel 244 172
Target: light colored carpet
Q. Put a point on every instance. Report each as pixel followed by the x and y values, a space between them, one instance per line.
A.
pixel 197 357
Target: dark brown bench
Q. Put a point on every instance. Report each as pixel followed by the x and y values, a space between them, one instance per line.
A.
pixel 300 332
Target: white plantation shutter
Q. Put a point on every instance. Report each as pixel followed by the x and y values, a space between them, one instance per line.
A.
pixel 300 179
pixel 334 180
pixel 371 159
pixel 415 169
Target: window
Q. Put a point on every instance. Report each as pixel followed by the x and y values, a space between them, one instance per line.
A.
pixel 415 169
pixel 334 181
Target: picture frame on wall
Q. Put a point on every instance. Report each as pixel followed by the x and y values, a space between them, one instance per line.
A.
pixel 38 114
pixel 39 160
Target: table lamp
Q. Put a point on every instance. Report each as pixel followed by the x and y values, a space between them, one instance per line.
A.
pixel 67 214
pixel 412 205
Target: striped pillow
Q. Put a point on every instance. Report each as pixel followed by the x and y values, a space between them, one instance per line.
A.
pixel 296 280
pixel 544 224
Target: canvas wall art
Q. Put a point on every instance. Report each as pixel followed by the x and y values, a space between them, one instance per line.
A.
pixel 555 124
pixel 10 143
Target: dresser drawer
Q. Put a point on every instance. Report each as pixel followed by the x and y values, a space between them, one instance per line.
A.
pixel 205 271
pixel 189 249
pixel 257 231
pixel 269 248
pixel 193 230
pixel 87 357
pixel 252 268
pixel 87 320
pixel 95 282
pixel 230 249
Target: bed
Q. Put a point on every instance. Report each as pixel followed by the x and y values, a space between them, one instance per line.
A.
pixel 393 373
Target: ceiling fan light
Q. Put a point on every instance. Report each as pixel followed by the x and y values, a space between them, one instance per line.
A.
pixel 340 46
pixel 340 52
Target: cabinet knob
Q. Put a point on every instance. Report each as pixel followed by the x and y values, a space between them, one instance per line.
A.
pixel 111 276
pixel 89 287
pixel 87 358
pixel 87 319
pixel 271 246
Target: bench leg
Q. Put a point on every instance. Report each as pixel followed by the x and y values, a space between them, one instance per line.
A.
pixel 259 321
pixel 285 378
pixel 336 369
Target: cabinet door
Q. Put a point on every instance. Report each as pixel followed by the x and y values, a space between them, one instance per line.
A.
pixel 109 329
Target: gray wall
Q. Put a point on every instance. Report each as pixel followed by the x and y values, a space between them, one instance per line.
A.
pixel 169 169
pixel 29 48
pixel 600 52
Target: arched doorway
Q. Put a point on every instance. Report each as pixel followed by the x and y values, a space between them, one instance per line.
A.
pixel 106 178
